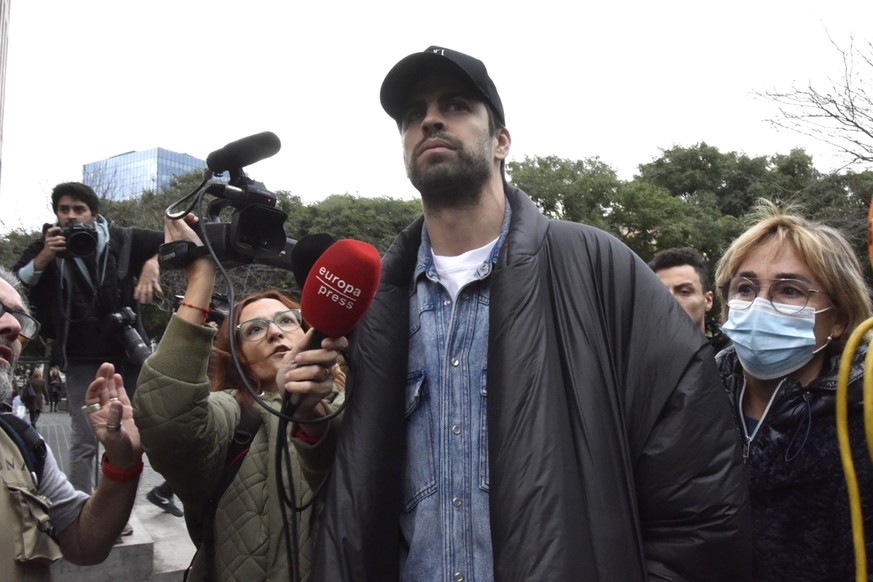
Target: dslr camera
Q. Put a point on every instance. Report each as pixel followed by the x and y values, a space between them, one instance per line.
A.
pixel 81 238
pixel 135 347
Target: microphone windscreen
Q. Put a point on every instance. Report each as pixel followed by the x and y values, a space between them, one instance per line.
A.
pixel 243 152
pixel 340 287
pixel 305 252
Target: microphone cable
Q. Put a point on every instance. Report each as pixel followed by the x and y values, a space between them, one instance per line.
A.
pixel 288 495
pixel 842 417
pixel 843 438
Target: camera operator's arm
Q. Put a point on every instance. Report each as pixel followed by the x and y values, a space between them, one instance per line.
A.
pixel 53 243
pixel 91 536
pixel 149 281
pixel 200 273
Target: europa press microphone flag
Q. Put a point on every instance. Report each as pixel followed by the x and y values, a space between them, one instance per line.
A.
pixel 339 289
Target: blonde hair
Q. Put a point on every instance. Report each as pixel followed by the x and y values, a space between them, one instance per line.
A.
pixel 823 249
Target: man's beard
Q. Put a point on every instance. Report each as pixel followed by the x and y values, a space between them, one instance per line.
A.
pixel 452 183
pixel 5 384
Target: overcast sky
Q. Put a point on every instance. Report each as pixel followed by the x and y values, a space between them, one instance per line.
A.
pixel 620 80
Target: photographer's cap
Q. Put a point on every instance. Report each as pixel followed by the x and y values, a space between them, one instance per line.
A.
pixel 401 78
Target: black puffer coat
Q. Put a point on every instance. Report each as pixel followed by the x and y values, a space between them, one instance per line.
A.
pixel 800 506
pixel 599 387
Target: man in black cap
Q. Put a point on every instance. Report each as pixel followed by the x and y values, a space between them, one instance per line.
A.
pixel 540 408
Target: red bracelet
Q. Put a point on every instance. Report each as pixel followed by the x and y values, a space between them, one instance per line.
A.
pixel 120 475
pixel 204 310
pixel 304 436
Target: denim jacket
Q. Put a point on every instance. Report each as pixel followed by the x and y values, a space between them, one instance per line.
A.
pixel 445 521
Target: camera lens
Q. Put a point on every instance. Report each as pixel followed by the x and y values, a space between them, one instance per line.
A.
pixel 134 346
pixel 81 239
pixel 81 243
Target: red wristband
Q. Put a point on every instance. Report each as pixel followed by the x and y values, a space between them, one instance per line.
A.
pixel 204 310
pixel 120 475
pixel 304 436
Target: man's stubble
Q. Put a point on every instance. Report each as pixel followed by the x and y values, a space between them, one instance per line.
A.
pixel 452 181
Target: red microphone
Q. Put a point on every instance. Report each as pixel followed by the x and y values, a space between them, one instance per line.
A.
pixel 340 287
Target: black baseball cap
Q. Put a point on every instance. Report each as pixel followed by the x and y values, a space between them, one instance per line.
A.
pixel 401 78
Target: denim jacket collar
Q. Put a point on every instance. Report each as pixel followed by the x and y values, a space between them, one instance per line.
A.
pixel 424 263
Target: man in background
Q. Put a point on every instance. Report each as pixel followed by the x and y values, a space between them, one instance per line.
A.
pixel 683 272
pixel 85 279
pixel 685 275
pixel 63 522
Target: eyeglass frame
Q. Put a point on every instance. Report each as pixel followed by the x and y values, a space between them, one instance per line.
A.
pixel 725 289
pixel 267 322
pixel 23 318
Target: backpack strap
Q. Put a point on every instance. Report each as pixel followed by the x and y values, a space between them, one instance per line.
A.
pixel 249 424
pixel 28 441
pixel 123 264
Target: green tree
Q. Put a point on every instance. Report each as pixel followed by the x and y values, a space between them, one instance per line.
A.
pixel 702 170
pixel 671 204
pixel 373 220
pixel 648 219
pixel 578 191
pixel 13 243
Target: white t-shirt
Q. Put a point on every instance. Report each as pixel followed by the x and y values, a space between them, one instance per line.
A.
pixel 455 272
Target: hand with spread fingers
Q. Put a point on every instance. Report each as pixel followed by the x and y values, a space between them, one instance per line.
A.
pixel 111 416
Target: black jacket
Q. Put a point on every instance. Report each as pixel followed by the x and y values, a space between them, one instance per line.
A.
pixel 800 507
pixel 74 313
pixel 586 349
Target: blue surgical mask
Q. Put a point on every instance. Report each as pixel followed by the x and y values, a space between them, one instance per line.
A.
pixel 770 344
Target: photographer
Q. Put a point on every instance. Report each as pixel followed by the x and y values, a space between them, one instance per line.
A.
pixel 82 278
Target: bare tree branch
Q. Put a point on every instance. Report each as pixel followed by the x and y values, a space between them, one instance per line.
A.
pixel 839 114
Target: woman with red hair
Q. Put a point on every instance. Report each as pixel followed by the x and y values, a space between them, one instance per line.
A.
pixel 256 524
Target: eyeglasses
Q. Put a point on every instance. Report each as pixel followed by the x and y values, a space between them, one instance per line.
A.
pixel 787 296
pixel 29 324
pixel 254 330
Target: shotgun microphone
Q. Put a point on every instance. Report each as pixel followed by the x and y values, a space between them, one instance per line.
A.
pixel 243 152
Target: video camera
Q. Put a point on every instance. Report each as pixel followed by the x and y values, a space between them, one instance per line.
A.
pixel 255 233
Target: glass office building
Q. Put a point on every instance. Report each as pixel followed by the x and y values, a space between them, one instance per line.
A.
pixel 128 175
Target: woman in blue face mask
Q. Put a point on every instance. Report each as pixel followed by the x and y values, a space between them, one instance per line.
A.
pixel 792 291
